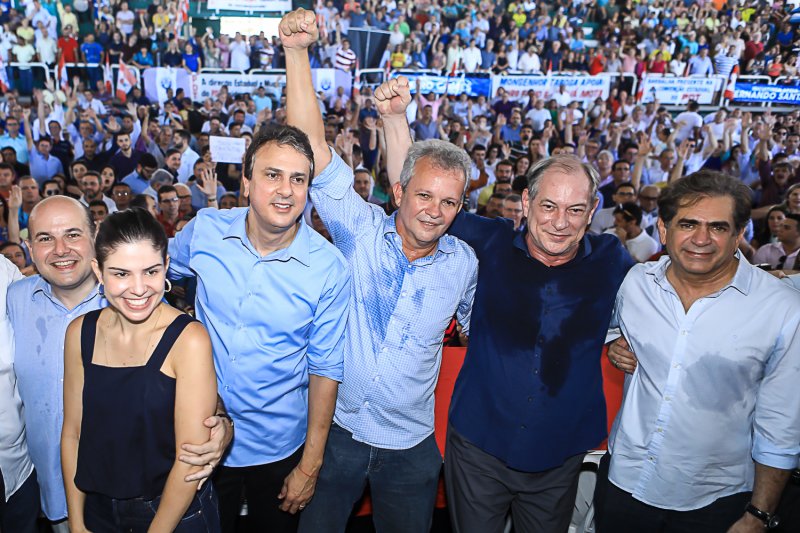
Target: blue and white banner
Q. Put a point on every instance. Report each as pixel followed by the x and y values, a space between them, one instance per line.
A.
pixel 585 89
pixel 472 85
pixel 255 6
pixel 204 85
pixel 762 93
pixel 678 91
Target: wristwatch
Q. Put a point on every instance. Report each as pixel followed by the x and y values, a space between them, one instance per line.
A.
pixel 771 521
pixel 227 417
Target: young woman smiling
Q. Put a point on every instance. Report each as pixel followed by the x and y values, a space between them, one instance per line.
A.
pixel 138 381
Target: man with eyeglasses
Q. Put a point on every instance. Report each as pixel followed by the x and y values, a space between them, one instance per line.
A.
pixel 122 195
pixel 185 196
pixel 50 188
pixel 139 180
pixel 648 201
pixel 15 139
pixel 782 254
pixel 169 209
pixel 620 173
pixel 604 218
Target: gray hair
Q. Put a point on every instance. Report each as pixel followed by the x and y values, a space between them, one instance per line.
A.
pixel 442 154
pixel 566 163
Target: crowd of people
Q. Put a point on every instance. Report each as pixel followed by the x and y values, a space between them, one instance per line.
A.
pixel 355 232
pixel 672 37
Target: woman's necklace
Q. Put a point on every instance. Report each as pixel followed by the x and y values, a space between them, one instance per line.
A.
pixel 149 340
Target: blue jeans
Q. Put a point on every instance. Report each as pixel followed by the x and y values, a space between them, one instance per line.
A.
pixel 402 484
pixel 101 513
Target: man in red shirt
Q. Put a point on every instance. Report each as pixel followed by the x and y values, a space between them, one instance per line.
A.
pixel 751 48
pixel 68 46
pixel 598 64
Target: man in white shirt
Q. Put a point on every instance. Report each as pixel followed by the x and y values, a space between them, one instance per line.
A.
pixel 782 254
pixel 689 122
pixel 538 115
pixel 562 97
pixel 471 59
pixel 180 141
pixel 46 47
pixel 19 499
pixel 529 61
pixel 709 429
pixel 240 53
pixel 628 227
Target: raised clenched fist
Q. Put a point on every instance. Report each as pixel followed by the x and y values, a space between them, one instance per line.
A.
pixel 298 29
pixel 392 97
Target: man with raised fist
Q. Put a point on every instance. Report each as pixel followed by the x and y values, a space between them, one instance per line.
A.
pixel 409 280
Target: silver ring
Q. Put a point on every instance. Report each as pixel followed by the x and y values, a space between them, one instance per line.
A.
pixel 615 363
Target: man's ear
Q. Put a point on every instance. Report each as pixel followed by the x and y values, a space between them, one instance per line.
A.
pixel 662 231
pixel 397 189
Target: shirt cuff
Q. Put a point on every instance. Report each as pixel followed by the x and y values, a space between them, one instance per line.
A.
pixel 768 454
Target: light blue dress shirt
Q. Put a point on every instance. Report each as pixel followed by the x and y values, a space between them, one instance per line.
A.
pixel 715 387
pixel 18 143
pixel 44 169
pixel 273 320
pixel 398 315
pixel 40 323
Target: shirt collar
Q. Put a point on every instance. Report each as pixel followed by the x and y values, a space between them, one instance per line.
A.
pixel 42 286
pixel 299 249
pixel 446 244
pixel 741 281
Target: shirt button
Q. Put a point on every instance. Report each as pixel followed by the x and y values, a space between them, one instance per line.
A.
pixel 522 426
pixel 536 371
pixel 683 332
pixel 385 349
pixel 376 378
pixel 667 398
pixel 226 387
pixel 366 404
pixel 676 365
pixel 651 458
pixel 530 399
pixel 403 293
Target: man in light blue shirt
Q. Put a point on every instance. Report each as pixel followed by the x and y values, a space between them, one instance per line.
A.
pixel 709 428
pixel 409 280
pixel 61 241
pixel 15 139
pixel 273 295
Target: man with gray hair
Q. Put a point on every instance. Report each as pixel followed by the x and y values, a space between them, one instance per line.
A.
pixel 529 401
pixel 409 279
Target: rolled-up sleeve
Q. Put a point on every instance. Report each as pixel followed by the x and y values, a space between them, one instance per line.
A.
pixel 776 428
pixel 326 340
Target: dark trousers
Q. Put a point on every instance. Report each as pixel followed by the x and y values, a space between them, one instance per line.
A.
pixel 402 484
pixel 789 507
pixel 260 485
pixel 20 512
pixel 618 511
pixel 481 490
pixel 104 514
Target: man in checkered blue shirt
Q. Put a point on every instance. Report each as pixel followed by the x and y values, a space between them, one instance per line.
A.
pixel 409 279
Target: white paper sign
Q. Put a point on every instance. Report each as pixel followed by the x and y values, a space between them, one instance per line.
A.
pixel 227 149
